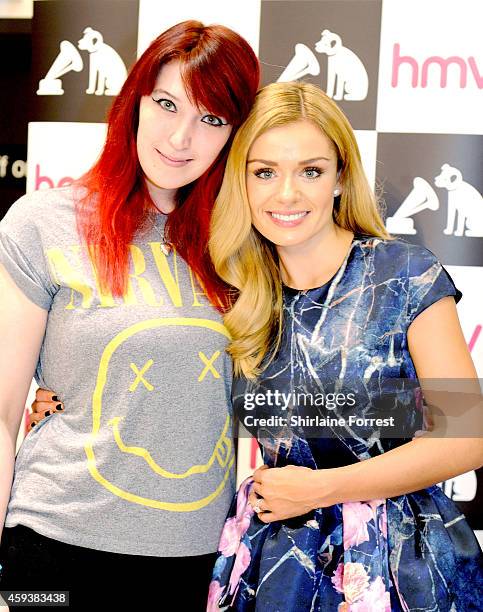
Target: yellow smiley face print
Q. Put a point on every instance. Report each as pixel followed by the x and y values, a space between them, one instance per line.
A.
pixel 151 444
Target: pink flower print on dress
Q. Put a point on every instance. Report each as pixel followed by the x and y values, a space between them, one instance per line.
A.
pixel 231 544
pixel 214 593
pixel 375 599
pixel 242 561
pixel 355 581
pixel 355 516
pixel 236 527
pixel 243 507
pixel 230 537
pixel 338 577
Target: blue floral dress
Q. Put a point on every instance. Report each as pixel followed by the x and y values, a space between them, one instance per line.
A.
pixel 407 553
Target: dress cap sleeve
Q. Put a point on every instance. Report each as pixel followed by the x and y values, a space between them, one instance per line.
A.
pixel 429 281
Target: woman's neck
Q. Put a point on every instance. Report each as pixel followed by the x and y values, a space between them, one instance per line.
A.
pixel 315 262
pixel 164 199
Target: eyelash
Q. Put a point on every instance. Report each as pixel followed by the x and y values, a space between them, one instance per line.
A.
pixel 314 169
pixel 160 100
pixel 220 124
pixel 173 110
pixel 319 171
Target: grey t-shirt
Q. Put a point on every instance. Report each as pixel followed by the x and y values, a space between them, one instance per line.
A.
pixel 141 461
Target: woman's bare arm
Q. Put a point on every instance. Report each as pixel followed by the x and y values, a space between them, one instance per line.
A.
pixel 22 328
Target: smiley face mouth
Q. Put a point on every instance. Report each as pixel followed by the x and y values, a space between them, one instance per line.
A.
pixel 222 452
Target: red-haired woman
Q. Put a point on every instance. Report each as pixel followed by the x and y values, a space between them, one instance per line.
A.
pixel 108 293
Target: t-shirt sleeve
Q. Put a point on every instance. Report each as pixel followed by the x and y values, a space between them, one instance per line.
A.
pixel 429 281
pixel 22 253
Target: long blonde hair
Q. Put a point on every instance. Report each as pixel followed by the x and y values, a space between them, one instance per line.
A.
pixel 242 257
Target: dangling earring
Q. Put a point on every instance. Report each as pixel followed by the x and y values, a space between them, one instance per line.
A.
pixel 336 192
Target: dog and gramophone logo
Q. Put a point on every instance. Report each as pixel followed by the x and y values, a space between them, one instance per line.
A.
pixel 85 58
pixel 324 47
pixel 434 198
pixel 107 71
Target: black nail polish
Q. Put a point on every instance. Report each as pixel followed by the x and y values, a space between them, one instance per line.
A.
pixel 59 407
pixel 32 424
pixel 47 413
pixel 55 398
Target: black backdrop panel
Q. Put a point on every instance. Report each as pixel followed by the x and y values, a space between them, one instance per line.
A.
pixel 404 157
pixel 356 22
pixel 16 51
pixel 65 64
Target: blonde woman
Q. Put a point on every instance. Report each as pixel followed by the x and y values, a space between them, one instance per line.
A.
pixel 342 516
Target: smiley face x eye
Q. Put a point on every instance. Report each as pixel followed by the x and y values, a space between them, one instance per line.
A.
pixel 140 376
pixel 209 367
pixel 208 363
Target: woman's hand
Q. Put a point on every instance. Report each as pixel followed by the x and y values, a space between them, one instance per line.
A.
pixel 282 493
pixel 45 404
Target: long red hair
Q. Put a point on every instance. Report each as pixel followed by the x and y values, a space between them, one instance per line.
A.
pixel 221 73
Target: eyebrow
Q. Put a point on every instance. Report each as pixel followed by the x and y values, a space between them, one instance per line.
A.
pixel 267 162
pixel 164 91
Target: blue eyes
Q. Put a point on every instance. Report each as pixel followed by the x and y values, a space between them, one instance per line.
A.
pixel 312 173
pixel 170 106
pixel 309 173
pixel 213 120
pixel 166 104
pixel 264 173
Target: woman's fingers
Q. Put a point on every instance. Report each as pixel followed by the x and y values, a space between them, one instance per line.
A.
pixel 257 503
pixel 33 420
pixel 258 473
pixel 257 488
pixel 43 406
pixel 252 499
pixel 36 417
pixel 42 410
pixel 45 395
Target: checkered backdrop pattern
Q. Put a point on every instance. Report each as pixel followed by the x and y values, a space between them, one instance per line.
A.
pixel 407 74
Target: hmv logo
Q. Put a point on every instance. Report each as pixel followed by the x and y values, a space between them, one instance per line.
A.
pixel 456 70
pixel 43 181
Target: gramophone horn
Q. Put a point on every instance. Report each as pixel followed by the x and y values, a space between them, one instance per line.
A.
pixel 303 62
pixel 68 59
